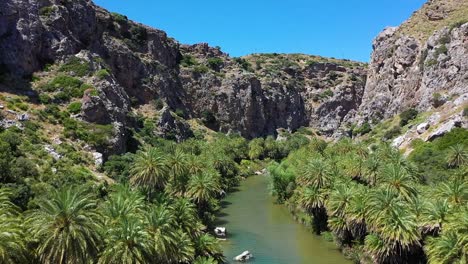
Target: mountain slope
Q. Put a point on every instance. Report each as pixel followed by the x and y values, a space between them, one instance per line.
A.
pixel 122 66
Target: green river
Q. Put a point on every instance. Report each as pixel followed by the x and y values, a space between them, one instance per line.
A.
pixel 255 223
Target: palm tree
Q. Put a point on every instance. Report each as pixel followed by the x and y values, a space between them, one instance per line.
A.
pixel 12 243
pixel 162 229
pixel 66 226
pixel 185 250
pixel 435 215
pixel 149 170
pixel 449 248
pixel 356 214
pixel 204 260
pixel 126 242
pixel 208 246
pixel 186 217
pixel 122 203
pixel 396 178
pixel 391 220
pixel 371 169
pixel 457 156
pixel 337 205
pixel 312 200
pixel 315 173
pixel 455 191
pixel 178 170
pixel 203 187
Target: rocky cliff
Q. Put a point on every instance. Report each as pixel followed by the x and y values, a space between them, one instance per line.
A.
pixel 126 65
pixel 420 64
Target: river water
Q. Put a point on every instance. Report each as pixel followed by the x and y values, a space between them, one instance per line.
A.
pixel 255 223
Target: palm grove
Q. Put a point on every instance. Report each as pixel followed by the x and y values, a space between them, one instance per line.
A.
pixel 159 207
pixel 378 205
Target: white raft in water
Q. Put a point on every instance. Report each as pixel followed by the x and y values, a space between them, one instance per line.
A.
pixel 246 255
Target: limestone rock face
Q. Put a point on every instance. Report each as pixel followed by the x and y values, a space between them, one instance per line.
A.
pixel 172 127
pixel 405 73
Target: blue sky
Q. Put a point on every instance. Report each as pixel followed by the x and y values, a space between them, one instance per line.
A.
pixel 331 28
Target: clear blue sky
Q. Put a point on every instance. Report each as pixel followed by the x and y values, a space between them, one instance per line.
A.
pixel 332 28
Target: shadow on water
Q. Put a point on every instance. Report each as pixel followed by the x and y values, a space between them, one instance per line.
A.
pixel 224 204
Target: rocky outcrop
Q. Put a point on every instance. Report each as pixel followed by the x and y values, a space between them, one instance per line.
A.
pixel 408 70
pixel 172 127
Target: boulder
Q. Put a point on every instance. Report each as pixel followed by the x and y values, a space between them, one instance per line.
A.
pixel 445 128
pixel 421 128
pixel 98 158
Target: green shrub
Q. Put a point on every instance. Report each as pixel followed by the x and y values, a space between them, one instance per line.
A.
pixel 61 82
pixel 244 64
pixel 465 112
pixel 437 100
pixel 442 49
pixel 46 11
pixel 363 129
pixel 201 69
pixel 431 157
pixel 391 133
pixel 180 112
pixel 326 94
pixel 96 135
pixel 76 65
pixel 431 62
pixel 458 24
pixel 188 60
pixel 407 116
pixel 102 74
pixel 74 107
pixel 121 19
pixel 138 34
pixel 215 63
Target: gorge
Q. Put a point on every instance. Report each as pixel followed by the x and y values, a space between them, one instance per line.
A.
pixel 118 144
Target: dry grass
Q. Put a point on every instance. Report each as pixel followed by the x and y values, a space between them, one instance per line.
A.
pixel 421 27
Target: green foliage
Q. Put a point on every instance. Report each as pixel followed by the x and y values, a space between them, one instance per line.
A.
pixel 139 34
pixel 442 49
pixel 407 116
pixel 392 133
pixel 432 157
pixel 215 63
pixel 243 63
pixel 66 87
pixel 188 61
pixel 374 199
pixel 74 107
pixel 180 112
pixel 363 129
pixel 46 11
pixel 102 74
pixel 201 69
pixel 437 100
pixel 76 66
pixel 121 19
pixel 94 134
pixel 465 112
